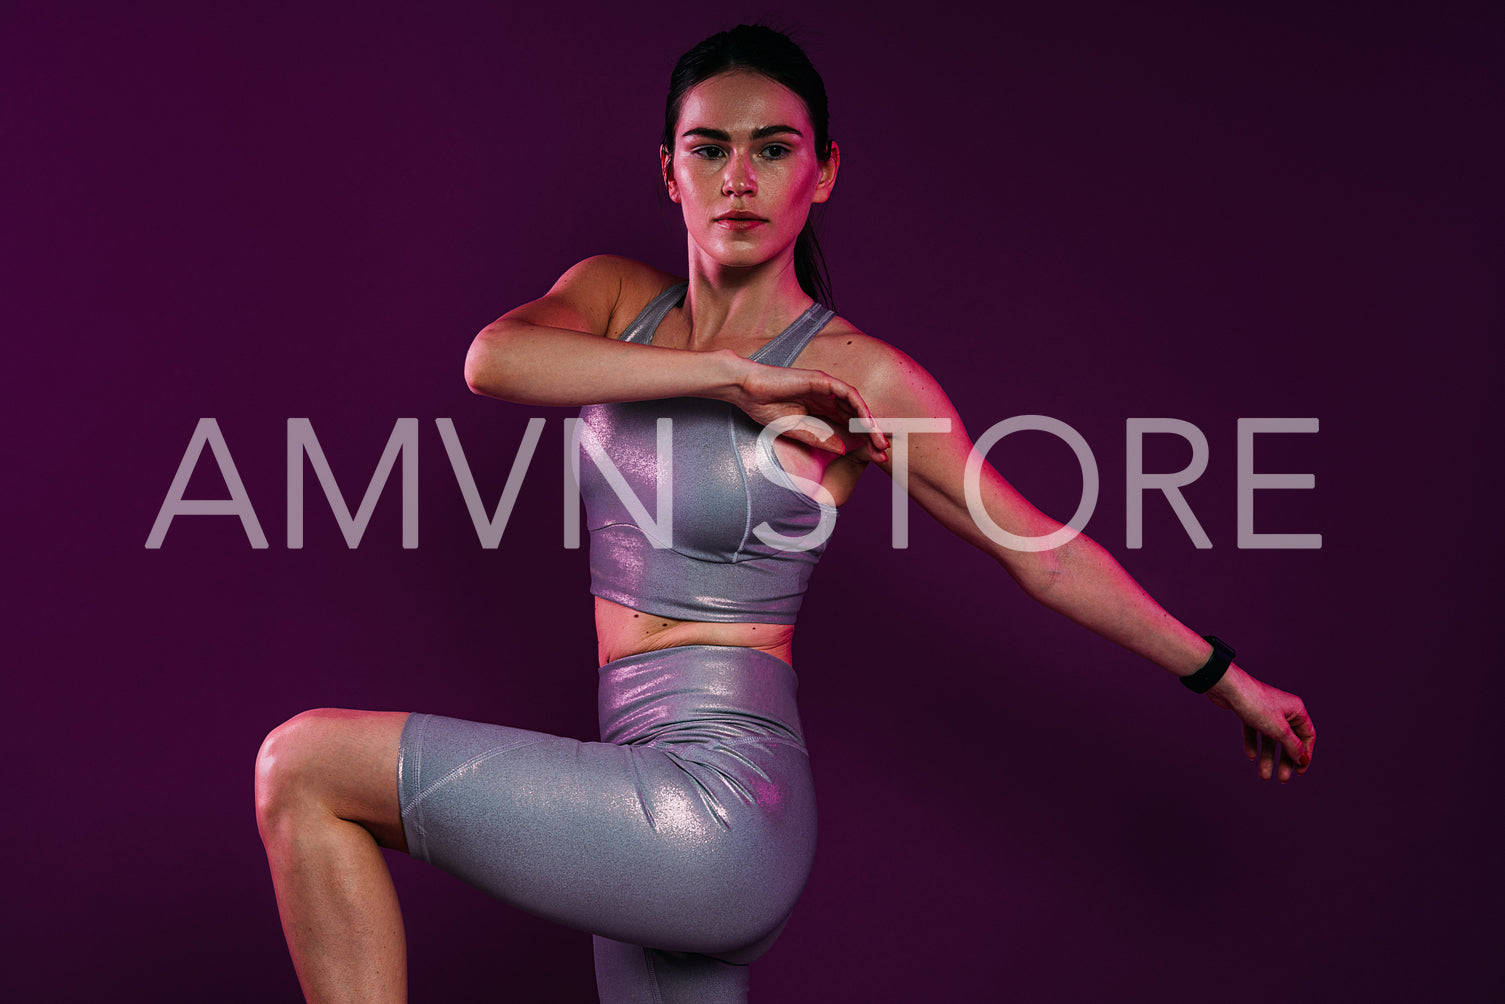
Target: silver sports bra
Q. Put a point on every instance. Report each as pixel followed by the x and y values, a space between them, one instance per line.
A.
pixel 738 539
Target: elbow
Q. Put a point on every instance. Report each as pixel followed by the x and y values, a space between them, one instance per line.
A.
pixel 1045 574
pixel 482 367
pixel 473 368
pixel 1056 577
pixel 1040 576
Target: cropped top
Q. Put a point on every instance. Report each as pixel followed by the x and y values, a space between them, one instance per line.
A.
pixel 732 538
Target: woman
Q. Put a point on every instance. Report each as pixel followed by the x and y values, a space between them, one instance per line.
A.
pixel 683 838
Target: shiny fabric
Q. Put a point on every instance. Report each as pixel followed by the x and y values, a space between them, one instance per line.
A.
pixel 730 494
pixel 690 829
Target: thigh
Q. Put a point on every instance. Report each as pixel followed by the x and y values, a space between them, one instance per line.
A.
pixel 696 851
pixel 339 761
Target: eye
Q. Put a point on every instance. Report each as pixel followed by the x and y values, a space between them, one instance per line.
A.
pixel 707 152
pixel 776 151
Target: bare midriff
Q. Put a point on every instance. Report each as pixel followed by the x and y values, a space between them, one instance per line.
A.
pixel 622 631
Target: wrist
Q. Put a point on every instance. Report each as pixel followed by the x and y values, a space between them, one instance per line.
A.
pixel 1228 687
pixel 726 379
pixel 1212 671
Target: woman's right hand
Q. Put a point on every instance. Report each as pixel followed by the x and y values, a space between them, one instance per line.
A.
pixel 826 405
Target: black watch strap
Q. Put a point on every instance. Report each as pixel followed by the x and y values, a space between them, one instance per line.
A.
pixel 1213 669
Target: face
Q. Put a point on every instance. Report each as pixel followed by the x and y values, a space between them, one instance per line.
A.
pixel 744 169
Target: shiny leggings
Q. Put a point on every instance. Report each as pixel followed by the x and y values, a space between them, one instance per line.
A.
pixel 681 840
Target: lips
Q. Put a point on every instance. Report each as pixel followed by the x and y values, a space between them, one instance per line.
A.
pixel 740 220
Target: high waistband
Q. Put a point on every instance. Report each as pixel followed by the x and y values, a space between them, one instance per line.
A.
pixel 698 693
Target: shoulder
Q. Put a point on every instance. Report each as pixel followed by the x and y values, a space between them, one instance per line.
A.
pixel 637 284
pixel 624 275
pixel 889 380
pixel 600 294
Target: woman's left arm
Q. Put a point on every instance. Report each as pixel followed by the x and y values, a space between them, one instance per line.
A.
pixel 1077 578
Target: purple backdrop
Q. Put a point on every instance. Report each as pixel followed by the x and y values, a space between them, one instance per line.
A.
pixel 257 212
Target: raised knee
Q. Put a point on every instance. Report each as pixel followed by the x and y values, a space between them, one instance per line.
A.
pixel 286 765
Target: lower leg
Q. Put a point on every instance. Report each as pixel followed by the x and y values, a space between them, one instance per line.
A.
pixel 631 974
pixel 326 795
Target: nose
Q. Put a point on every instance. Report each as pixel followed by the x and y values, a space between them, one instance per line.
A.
pixel 739 178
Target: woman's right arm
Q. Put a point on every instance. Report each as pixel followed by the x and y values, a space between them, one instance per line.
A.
pixel 556 351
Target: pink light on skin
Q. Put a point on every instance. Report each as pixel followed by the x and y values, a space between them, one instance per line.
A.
pixel 745 171
pixel 740 221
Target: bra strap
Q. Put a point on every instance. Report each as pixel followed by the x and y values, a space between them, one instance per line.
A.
pixel 784 348
pixel 780 350
pixel 646 323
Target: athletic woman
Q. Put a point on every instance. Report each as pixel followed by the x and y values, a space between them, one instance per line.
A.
pixel 682 839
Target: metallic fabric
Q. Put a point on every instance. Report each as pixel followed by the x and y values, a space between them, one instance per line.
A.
pixel 690 829
pixel 726 484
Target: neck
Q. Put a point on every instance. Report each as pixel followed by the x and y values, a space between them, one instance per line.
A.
pixel 758 301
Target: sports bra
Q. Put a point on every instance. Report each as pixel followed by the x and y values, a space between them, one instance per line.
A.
pixel 739 539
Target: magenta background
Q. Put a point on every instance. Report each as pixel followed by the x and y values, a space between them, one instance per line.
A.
pixel 255 212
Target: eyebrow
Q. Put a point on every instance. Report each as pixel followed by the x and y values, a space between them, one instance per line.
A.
pixel 726 137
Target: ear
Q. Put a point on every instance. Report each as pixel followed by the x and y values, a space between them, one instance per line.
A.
pixel 827 179
pixel 666 168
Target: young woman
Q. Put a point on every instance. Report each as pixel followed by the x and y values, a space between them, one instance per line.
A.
pixel 684 837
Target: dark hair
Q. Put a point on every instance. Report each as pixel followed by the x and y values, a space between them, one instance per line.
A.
pixel 775 55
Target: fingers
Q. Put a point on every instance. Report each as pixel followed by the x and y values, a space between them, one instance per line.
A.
pixel 1264 752
pixel 1296 739
pixel 1285 755
pixel 820 395
pixel 1296 753
pixel 877 438
pixel 812 431
pixel 1267 748
pixel 1305 733
pixel 1286 768
pixel 1274 760
pixel 1278 733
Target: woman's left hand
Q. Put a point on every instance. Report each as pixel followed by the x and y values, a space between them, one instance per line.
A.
pixel 1277 717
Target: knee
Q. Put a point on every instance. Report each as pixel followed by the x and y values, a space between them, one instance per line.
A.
pixel 287 766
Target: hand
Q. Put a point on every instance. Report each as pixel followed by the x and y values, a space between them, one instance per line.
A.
pixel 767 393
pixel 1277 718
